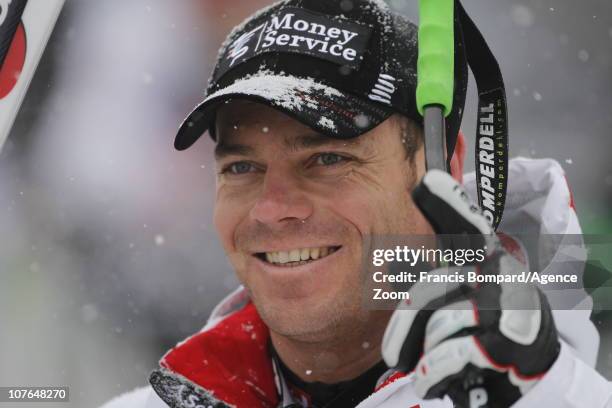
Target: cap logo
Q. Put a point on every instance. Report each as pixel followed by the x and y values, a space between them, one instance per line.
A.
pixel 299 31
pixel 383 89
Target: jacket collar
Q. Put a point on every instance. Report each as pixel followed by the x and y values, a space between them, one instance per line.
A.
pixel 227 363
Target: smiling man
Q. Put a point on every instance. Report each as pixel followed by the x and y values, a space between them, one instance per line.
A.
pixel 293 207
pixel 318 146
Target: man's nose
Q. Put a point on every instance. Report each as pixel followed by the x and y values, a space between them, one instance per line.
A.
pixel 281 199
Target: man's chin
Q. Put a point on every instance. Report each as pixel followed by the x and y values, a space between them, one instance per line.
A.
pixel 299 319
pixel 305 317
pixel 294 302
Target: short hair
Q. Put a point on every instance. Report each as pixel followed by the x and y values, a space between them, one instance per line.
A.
pixel 411 134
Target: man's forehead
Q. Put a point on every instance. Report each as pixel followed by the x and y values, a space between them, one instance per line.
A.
pixel 242 124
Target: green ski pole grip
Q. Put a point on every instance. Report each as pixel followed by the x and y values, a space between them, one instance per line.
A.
pixel 436 62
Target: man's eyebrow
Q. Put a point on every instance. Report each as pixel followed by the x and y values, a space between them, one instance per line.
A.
pixel 291 144
pixel 223 150
pixel 314 140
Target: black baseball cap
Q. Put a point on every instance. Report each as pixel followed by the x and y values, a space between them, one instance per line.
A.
pixel 340 67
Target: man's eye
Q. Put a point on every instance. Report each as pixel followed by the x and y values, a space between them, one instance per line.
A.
pixel 329 159
pixel 239 168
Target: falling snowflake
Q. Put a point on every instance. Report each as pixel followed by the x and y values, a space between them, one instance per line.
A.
pixel 362 121
pixel 522 16
pixel 147 78
pixel 89 313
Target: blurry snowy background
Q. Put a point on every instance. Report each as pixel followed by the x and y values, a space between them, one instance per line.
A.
pixel 107 252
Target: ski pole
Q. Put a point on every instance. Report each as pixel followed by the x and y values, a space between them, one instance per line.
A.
pixel 435 76
pixel 435 89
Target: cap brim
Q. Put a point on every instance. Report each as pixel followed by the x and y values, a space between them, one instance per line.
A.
pixel 332 112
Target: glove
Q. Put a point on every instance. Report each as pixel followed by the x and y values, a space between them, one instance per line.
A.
pixel 484 345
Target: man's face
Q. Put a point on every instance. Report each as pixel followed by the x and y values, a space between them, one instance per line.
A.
pixel 293 208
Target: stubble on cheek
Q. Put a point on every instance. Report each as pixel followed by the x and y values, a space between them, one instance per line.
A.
pixel 318 320
pixel 226 217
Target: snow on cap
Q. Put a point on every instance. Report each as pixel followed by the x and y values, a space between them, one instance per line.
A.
pixel 340 67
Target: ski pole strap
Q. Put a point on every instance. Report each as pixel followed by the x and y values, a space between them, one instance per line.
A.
pixel 491 145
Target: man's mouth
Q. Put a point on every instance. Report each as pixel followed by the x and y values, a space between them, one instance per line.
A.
pixel 295 257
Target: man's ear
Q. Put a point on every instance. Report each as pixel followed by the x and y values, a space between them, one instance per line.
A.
pixel 458 159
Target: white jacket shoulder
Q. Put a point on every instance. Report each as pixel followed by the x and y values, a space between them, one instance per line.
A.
pixel 143 397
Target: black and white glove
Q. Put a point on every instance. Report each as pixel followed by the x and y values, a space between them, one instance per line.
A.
pixel 484 345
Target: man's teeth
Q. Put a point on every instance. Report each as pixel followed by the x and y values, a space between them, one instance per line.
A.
pixel 297 255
